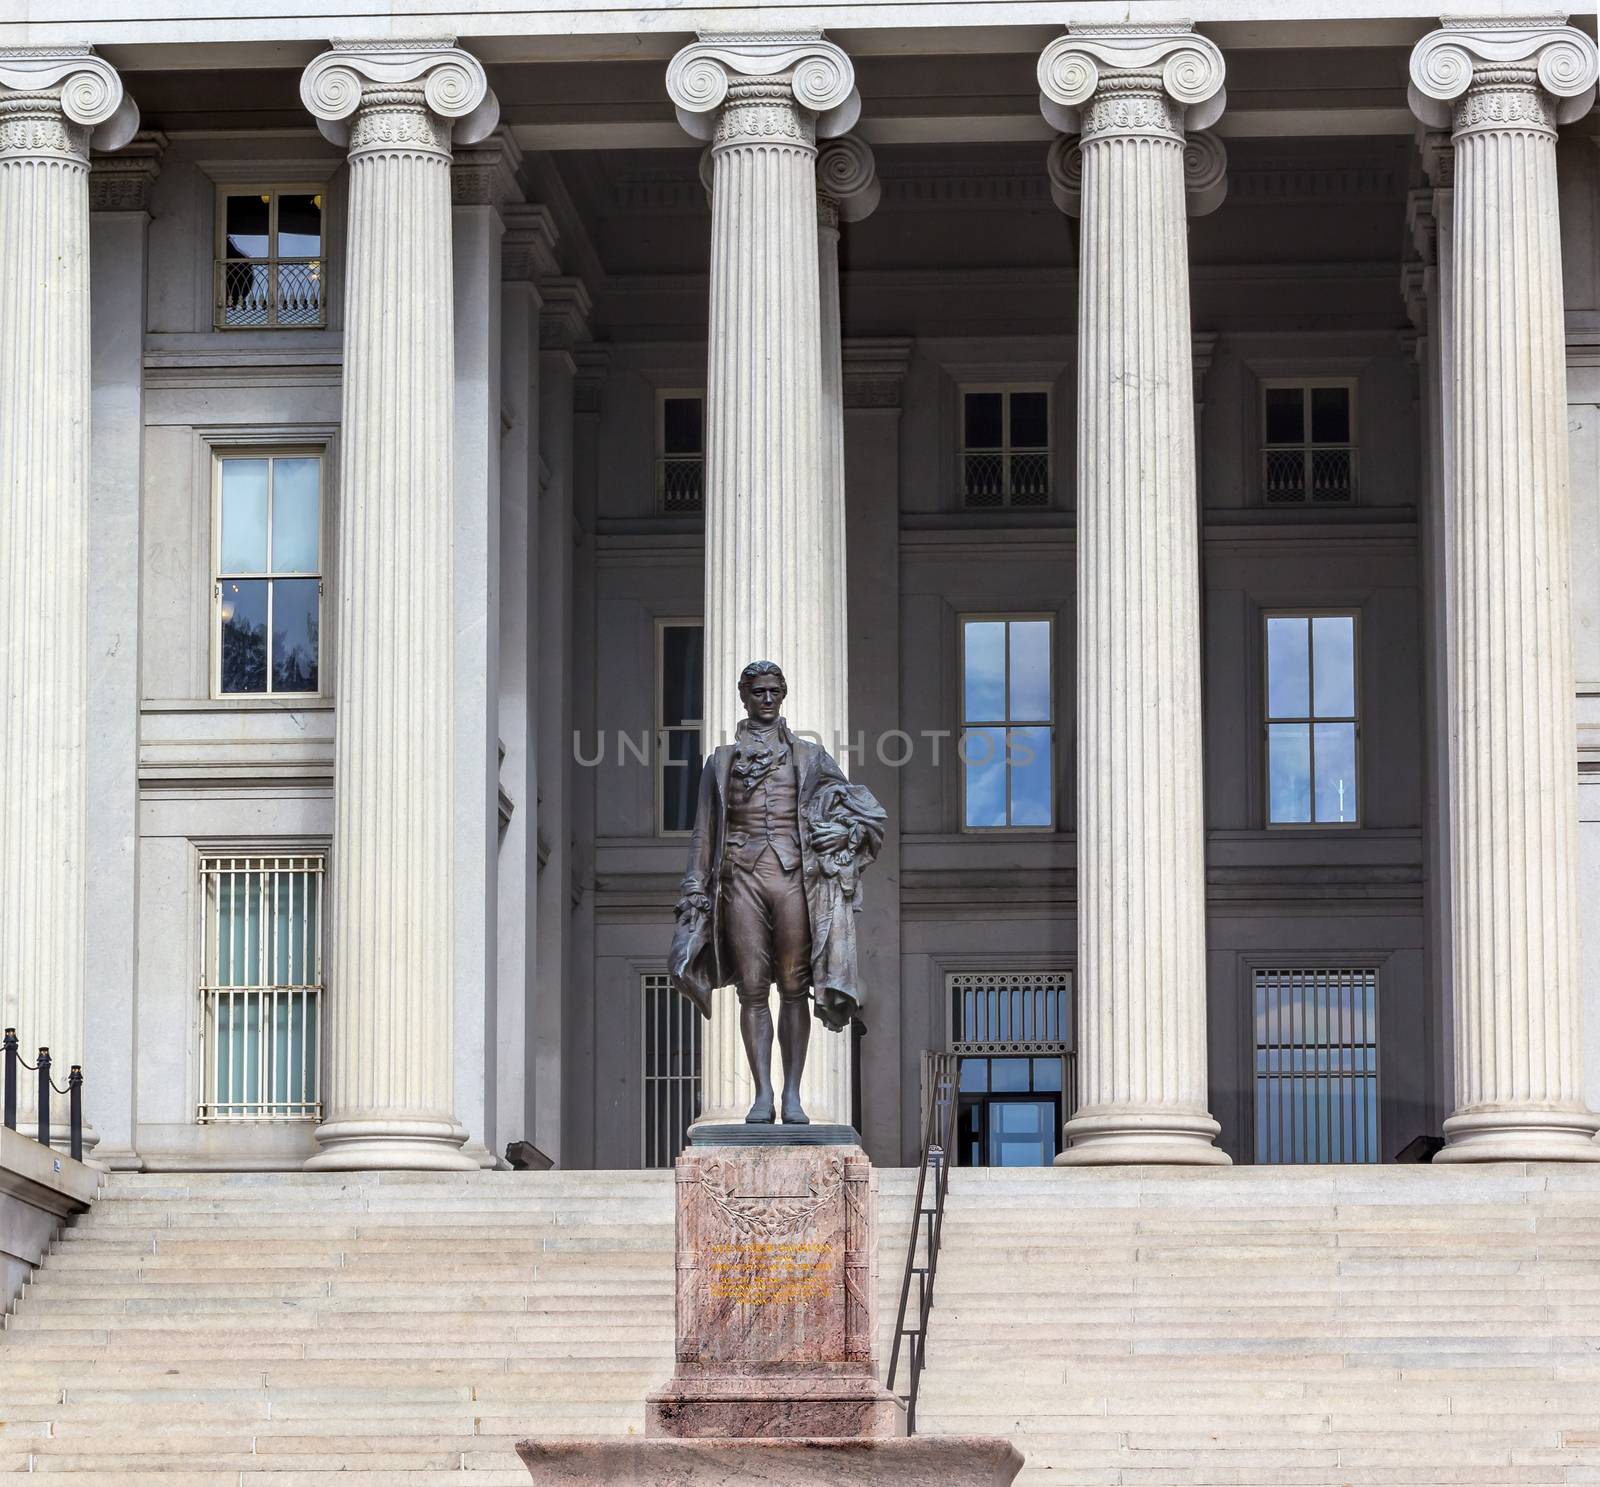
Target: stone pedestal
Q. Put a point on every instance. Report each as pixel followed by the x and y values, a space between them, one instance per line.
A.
pixel 777 1254
pixel 777 1342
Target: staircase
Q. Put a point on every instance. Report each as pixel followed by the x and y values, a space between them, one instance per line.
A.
pixel 1274 1326
pixel 1269 1326
pixel 369 1330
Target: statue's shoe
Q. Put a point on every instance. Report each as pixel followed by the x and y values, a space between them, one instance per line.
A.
pixel 793 1115
pixel 761 1113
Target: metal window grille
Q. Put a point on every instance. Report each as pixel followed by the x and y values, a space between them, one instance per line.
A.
pixel 1011 1012
pixel 672 1029
pixel 261 988
pixel 1319 475
pixel 680 484
pixel 269 293
pixel 1316 1065
pixel 1004 475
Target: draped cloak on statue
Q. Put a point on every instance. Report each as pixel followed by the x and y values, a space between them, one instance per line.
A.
pixel 699 961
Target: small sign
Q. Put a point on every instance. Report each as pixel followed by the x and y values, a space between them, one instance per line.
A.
pixel 58 1164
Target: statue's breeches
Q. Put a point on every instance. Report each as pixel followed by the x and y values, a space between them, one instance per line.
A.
pixel 766 929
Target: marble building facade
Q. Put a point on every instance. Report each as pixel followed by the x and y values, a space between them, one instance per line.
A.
pixel 407 430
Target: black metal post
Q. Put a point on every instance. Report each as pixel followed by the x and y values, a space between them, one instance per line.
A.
pixel 75 1103
pixel 10 1079
pixel 44 1096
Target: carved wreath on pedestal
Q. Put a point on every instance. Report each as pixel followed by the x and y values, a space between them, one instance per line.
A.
pixel 756 1218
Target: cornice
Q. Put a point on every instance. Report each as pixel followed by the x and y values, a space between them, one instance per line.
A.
pixel 528 249
pixel 455 86
pixel 121 182
pixel 875 371
pixel 487 174
pixel 818 75
pixel 564 315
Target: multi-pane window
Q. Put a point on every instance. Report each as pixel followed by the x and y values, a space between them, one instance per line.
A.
pixel 1316 1065
pixel 1308 443
pixel 672 1029
pixel 1312 727
pixel 1005 446
pixel 1012 1035
pixel 268 588
pixel 261 987
pixel 270 269
pixel 679 690
pixel 1007 722
pixel 680 452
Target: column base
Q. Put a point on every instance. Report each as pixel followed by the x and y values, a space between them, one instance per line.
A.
pixel 1110 1137
pixel 393 1144
pixel 1521 1134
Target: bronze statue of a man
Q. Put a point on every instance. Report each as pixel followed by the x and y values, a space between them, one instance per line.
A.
pixel 772 887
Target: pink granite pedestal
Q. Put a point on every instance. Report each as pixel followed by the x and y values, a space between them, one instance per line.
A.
pixel 776 1379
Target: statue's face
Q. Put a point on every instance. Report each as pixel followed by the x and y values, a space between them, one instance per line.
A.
pixel 763 698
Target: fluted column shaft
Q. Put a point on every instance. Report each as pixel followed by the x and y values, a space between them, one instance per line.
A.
pixel 390 1003
pixel 775 584
pixel 1513 785
pixel 1141 978
pixel 50 106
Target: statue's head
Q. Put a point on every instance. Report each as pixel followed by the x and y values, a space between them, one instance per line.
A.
pixel 762 690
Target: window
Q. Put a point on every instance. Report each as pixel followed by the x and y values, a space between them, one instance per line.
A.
pixel 681 452
pixel 1312 728
pixel 261 987
pixel 1005 446
pixel 1012 1034
pixel 671 1070
pixel 1308 443
pixel 1316 1065
pixel 679 687
pixel 270 272
pixel 269 572
pixel 1007 717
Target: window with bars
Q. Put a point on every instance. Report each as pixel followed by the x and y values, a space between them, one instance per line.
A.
pixel 268 589
pixel 270 269
pixel 1308 443
pixel 681 452
pixel 1005 446
pixel 1316 1065
pixel 679 689
pixel 261 987
pixel 1313 729
pixel 671 1076
pixel 1012 1033
pixel 1007 722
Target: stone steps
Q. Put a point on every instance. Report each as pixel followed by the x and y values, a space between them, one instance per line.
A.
pixel 1245 1328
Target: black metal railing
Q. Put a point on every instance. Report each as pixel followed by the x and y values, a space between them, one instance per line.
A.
pixel 939 1100
pixel 14 1062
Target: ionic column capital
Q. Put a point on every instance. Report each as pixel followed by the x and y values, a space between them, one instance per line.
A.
pixel 1516 74
pixel 400 94
pixel 796 72
pixel 1131 80
pixel 1205 173
pixel 847 178
pixel 59 101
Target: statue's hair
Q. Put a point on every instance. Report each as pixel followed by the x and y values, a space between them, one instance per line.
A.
pixel 762 668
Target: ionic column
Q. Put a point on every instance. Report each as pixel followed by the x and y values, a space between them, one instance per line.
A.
pixel 390 1007
pixel 1513 779
pixel 1141 977
pixel 53 105
pixel 772 591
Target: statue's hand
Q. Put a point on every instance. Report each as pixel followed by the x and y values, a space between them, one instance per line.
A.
pixel 692 903
pixel 826 836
